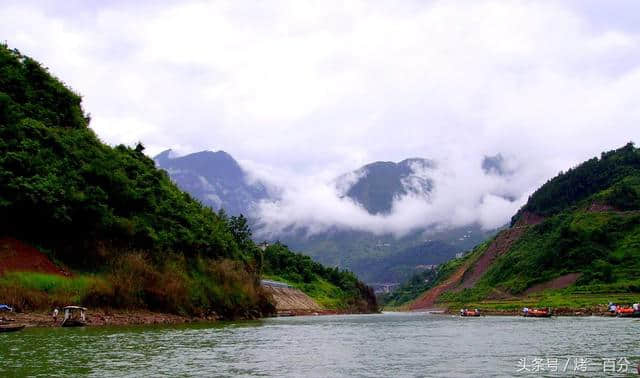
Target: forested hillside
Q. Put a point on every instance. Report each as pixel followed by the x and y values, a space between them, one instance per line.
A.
pixel 576 242
pixel 131 237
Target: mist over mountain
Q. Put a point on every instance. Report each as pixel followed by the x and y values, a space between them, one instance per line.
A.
pixel 376 191
pixel 375 186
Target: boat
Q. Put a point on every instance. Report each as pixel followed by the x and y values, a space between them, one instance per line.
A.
pixel 74 316
pixel 469 313
pixel 627 312
pixel 535 313
pixel 11 328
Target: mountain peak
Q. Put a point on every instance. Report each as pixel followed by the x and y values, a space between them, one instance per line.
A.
pixel 380 183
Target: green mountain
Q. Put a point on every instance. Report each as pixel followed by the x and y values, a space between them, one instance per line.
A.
pixel 377 184
pixel 131 237
pixel 575 243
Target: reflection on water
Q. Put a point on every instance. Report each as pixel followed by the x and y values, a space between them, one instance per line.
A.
pixel 397 344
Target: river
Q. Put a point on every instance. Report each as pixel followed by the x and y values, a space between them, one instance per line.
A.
pixel 393 344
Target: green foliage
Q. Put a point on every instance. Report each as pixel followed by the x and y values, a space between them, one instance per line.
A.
pixel 590 177
pixel 27 90
pixel 57 178
pixel 594 244
pixel 625 195
pixel 49 283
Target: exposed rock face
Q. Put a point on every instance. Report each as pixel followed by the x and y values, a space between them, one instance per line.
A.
pixel 290 299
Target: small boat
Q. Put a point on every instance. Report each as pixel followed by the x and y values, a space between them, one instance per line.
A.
pixel 11 328
pixel 469 313
pixel 627 312
pixel 74 316
pixel 535 313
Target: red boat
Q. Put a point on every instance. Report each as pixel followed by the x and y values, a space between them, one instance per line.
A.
pixel 627 312
pixel 535 313
pixel 469 313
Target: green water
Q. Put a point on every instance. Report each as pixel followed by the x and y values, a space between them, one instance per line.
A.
pixel 330 346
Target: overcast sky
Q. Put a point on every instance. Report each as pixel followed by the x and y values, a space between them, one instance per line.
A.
pixel 302 91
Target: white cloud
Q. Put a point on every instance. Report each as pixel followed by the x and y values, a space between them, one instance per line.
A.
pixel 309 90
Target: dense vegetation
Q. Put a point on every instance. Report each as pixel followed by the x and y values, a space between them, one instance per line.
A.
pixel 590 177
pixel 110 213
pixel 329 286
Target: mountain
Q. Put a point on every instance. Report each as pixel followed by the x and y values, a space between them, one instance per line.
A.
pixel 218 181
pixel 376 185
pixel 215 178
pixel 111 230
pixel 575 243
pixel 495 165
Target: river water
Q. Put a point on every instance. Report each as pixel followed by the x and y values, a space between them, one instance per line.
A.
pixel 382 345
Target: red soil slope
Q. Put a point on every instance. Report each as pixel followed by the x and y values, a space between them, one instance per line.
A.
pixel 500 245
pixel 467 276
pixel 429 297
pixel 18 256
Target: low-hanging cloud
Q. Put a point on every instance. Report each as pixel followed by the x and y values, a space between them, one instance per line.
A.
pixel 462 194
pixel 303 92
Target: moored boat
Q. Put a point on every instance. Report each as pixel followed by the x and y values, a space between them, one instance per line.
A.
pixel 465 312
pixel 627 312
pixel 537 313
pixel 11 328
pixel 74 316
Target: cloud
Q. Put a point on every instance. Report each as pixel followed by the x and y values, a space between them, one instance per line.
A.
pixel 306 91
pixel 462 194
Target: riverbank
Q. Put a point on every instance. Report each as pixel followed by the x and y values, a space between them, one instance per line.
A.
pixel 105 317
pixel 101 317
pixel 555 311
